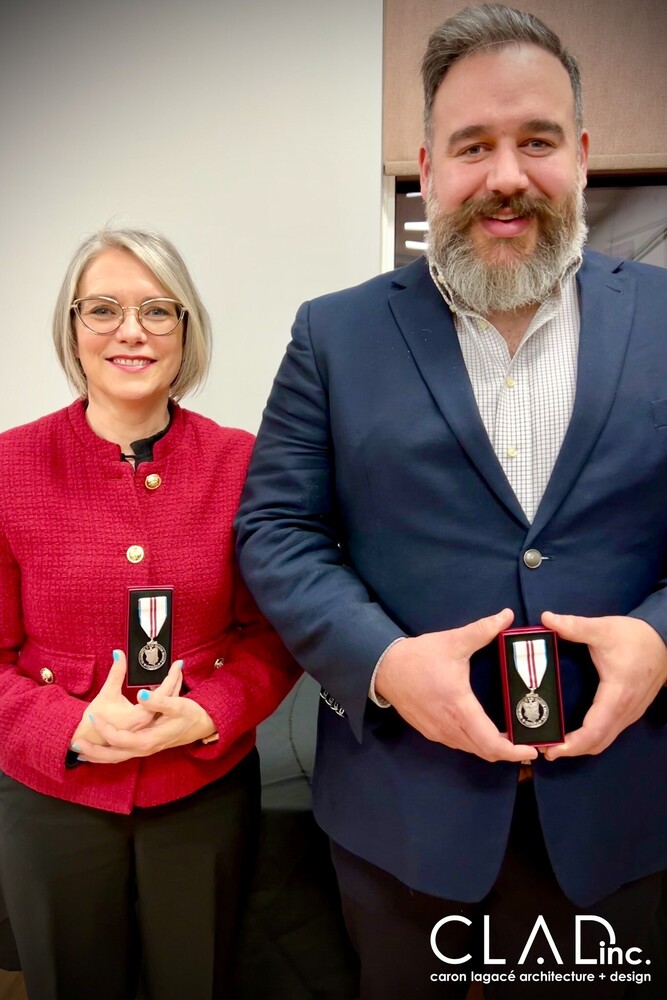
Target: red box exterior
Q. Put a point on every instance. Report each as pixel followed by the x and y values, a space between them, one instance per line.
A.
pixel 531 630
pixel 149 683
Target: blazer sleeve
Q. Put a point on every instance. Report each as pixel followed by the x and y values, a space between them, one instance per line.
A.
pixel 653 610
pixel 36 720
pixel 289 540
pixel 257 673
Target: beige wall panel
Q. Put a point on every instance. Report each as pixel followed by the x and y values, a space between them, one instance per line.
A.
pixel 622 48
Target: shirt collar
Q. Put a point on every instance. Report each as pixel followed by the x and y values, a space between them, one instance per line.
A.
pixel 143 447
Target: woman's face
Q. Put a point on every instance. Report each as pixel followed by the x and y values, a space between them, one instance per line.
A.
pixel 129 366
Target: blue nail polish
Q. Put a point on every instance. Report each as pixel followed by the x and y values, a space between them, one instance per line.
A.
pixel 144 695
pixel 75 747
pixel 179 664
pixel 116 655
pixel 91 717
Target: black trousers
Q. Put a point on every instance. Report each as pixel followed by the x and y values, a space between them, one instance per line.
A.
pixel 111 906
pixel 294 945
pixel 9 958
pixel 390 926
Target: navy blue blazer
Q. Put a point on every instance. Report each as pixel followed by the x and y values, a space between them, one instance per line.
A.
pixel 375 507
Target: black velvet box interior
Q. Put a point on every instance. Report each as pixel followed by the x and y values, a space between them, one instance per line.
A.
pixel 514 689
pixel 137 638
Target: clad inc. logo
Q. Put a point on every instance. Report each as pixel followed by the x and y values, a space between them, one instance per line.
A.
pixel 608 956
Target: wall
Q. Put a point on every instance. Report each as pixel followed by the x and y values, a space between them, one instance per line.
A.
pixel 248 131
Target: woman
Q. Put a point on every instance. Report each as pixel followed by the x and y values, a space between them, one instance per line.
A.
pixel 128 814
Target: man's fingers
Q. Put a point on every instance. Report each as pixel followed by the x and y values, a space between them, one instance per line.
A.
pixel 599 729
pixel 574 628
pixel 469 638
pixel 486 741
pixel 579 743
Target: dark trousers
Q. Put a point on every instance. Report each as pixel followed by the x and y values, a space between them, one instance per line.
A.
pixel 106 906
pixel 294 945
pixel 390 926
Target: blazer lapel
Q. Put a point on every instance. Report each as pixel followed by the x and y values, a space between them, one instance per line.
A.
pixel 427 327
pixel 607 297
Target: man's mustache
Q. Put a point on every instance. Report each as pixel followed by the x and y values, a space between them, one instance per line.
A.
pixel 520 204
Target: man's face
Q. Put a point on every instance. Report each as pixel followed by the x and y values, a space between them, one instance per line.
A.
pixel 504 174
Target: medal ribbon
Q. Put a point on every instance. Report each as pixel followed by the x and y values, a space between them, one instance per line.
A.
pixel 530 661
pixel 152 614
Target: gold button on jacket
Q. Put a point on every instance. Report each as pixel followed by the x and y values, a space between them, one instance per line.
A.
pixel 153 481
pixel 47 675
pixel 135 553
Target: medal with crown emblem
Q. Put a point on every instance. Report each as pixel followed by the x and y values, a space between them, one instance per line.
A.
pixel 152 616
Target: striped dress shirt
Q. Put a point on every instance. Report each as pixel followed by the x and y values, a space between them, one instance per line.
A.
pixel 525 401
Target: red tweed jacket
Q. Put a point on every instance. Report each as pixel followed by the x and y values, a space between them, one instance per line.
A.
pixel 69 512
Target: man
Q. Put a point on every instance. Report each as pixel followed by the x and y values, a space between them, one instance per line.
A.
pixel 476 441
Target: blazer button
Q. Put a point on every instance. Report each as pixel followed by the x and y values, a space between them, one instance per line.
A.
pixel 532 558
pixel 153 481
pixel 47 675
pixel 220 662
pixel 135 554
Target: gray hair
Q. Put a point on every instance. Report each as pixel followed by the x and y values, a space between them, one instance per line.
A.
pixel 477 28
pixel 163 259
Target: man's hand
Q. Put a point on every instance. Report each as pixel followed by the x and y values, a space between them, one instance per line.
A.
pixel 630 658
pixel 427 680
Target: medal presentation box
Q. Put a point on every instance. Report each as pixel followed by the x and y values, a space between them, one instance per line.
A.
pixel 531 686
pixel 149 628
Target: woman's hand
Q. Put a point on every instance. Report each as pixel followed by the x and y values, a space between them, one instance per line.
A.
pixel 176 722
pixel 112 705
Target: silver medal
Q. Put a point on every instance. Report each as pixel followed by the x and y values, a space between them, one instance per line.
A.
pixel 152 656
pixel 532 711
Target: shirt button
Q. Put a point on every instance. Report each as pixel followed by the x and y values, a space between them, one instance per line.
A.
pixel 511 452
pixel 135 554
pixel 47 675
pixel 153 481
pixel 509 382
pixel 532 558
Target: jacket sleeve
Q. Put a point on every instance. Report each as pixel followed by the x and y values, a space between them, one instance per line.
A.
pixel 257 673
pixel 290 544
pixel 653 610
pixel 36 719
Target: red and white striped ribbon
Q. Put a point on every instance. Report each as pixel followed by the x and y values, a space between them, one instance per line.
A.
pixel 152 614
pixel 530 660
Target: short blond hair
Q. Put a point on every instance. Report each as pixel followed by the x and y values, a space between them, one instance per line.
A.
pixel 163 259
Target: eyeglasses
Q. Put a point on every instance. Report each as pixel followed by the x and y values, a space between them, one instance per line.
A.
pixel 104 315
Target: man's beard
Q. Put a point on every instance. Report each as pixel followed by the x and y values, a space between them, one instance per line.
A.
pixel 504 275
